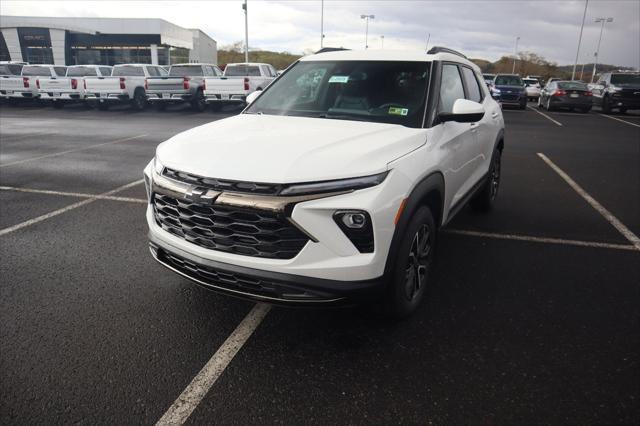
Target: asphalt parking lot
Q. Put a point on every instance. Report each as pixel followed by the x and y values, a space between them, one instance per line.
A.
pixel 534 316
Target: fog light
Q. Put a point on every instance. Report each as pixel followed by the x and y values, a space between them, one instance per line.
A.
pixel 354 220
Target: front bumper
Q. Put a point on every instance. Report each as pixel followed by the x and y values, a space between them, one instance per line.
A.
pixel 624 102
pixel 259 285
pixel 328 267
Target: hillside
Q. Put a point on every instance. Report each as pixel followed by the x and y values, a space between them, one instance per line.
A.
pixel 280 60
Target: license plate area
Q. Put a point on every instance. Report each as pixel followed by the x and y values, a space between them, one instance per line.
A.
pixel 224 97
pixel 574 95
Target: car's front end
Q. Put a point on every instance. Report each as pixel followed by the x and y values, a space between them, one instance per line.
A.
pixel 624 91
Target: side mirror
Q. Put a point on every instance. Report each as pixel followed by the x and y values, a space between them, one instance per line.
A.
pixel 463 111
pixel 252 96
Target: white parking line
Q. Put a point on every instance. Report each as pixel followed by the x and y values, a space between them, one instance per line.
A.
pixel 617 119
pixel 545 115
pixel 66 209
pixel 26 160
pixel 528 238
pixel 614 221
pixel 189 399
pixel 73 194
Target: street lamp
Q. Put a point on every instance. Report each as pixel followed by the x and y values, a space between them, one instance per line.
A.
pixel 575 64
pixel 246 31
pixel 321 23
pixel 366 34
pixel 515 55
pixel 595 63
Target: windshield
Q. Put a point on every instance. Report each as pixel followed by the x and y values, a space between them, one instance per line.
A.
pixel 376 91
pixel 36 71
pixel 572 85
pixel 10 69
pixel 625 79
pixel 181 71
pixel 242 71
pixel 125 71
pixel 508 80
pixel 81 71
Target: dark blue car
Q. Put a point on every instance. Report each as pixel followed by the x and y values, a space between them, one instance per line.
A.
pixel 509 89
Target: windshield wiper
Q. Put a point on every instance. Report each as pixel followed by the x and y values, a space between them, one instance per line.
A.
pixel 342 117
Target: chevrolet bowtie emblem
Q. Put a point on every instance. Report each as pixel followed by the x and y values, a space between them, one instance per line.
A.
pixel 201 195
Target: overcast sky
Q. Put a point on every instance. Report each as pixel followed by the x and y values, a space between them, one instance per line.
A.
pixel 480 29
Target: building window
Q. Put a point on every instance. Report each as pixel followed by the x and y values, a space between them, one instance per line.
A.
pixel 36 45
pixel 4 50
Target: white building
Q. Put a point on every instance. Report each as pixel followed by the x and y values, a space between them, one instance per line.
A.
pixel 104 41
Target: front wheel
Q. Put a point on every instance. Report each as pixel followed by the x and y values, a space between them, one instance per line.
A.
pixel 412 272
pixel 486 196
pixel 606 105
pixel 540 102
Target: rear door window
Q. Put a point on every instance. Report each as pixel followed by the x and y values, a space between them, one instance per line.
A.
pixel 451 88
pixel 473 90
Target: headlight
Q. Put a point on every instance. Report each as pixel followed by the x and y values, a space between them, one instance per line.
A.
pixel 335 185
pixel 495 91
pixel 157 166
pixel 615 88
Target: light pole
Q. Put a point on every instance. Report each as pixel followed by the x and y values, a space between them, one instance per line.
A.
pixel 381 42
pixel 595 63
pixel 515 55
pixel 366 33
pixel 246 32
pixel 575 64
pixel 428 38
pixel 581 72
pixel 321 23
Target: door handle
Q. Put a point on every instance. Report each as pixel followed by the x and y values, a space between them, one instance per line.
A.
pixel 494 115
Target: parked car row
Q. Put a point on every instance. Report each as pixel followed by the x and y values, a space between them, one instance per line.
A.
pixel 135 84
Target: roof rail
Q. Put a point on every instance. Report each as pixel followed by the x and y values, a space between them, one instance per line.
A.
pixel 330 49
pixel 440 49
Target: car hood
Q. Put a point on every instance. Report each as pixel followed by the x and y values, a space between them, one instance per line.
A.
pixel 284 149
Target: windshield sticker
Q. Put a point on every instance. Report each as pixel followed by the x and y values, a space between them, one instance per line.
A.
pixel 398 111
pixel 339 79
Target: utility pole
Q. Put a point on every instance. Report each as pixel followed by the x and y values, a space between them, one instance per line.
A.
pixel 595 64
pixel 246 31
pixel 366 33
pixel 515 55
pixel 321 23
pixel 573 73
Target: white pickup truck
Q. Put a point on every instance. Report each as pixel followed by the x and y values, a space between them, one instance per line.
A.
pixel 61 90
pixel 185 83
pixel 238 81
pixel 25 86
pixel 127 84
pixel 8 69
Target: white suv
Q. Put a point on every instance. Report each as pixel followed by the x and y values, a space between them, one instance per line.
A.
pixel 331 185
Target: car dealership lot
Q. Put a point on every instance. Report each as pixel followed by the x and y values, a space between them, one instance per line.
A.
pixel 542 325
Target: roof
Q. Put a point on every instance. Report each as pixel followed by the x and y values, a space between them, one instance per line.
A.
pixel 195 64
pixel 248 63
pixel 388 55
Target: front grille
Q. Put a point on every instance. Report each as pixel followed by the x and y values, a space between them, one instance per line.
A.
pixel 222 184
pixel 506 97
pixel 240 282
pixel 247 232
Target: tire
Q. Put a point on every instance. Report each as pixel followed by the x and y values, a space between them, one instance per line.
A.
pixel 139 101
pixel 413 266
pixel 523 106
pixel 103 106
pixel 623 110
pixel 486 196
pixel 585 110
pixel 606 106
pixel 199 104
